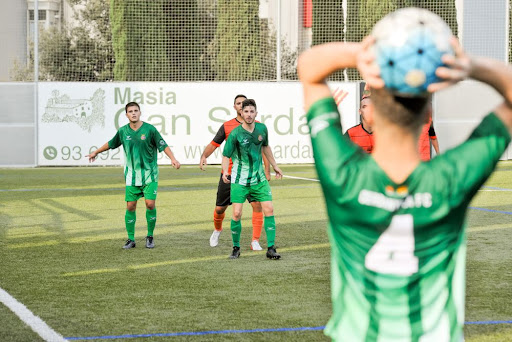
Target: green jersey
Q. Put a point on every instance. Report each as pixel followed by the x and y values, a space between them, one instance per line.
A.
pixel 244 149
pixel 398 250
pixel 140 149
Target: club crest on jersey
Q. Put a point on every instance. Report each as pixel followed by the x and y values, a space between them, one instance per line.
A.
pixel 143 137
pixel 401 191
pixel 260 137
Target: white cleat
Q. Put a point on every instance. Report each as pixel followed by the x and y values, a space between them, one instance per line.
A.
pixel 255 246
pixel 214 239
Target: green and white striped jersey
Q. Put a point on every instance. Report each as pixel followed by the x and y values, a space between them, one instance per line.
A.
pixel 140 148
pixel 398 250
pixel 244 149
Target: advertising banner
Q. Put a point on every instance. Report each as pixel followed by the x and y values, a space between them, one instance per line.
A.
pixel 76 118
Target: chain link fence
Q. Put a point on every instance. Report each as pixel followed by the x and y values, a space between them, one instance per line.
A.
pixel 183 40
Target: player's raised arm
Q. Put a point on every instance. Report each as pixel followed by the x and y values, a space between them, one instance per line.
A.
pixel 490 71
pixel 317 63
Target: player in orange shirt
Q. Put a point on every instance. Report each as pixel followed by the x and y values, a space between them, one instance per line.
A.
pixel 362 134
pixel 224 190
pixel 427 136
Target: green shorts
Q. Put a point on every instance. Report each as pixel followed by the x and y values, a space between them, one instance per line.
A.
pixel 260 192
pixel 133 193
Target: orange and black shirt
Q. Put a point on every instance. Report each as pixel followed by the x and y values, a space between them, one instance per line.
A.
pixel 361 137
pixel 427 133
pixel 223 134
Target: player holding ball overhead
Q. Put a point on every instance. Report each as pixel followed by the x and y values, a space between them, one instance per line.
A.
pixel 397 224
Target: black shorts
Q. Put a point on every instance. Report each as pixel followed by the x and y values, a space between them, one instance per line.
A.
pixel 224 193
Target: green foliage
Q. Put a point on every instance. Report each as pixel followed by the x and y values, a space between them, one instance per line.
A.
pixel 362 16
pixel 156 40
pixel 81 53
pixel 237 43
pixel 328 25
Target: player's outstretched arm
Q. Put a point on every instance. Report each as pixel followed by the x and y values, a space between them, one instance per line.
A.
pixel 225 169
pixel 206 153
pixel 175 163
pixel 93 155
pixel 267 152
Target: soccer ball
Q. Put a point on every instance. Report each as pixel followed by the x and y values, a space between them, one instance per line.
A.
pixel 408 47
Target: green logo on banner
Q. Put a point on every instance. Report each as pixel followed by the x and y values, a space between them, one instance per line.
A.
pixel 50 153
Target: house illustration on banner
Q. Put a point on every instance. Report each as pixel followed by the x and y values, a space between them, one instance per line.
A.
pixel 62 108
pixel 83 112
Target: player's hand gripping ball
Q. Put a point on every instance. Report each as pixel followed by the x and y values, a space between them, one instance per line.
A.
pixel 408 47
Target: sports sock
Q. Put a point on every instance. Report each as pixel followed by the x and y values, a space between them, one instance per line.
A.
pixel 129 220
pixel 257 224
pixel 270 229
pixel 236 229
pixel 217 220
pixel 151 218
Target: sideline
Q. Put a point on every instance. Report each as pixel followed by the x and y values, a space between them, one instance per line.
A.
pixel 218 332
pixel 34 322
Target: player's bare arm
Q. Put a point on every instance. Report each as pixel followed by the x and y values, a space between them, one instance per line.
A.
pixel 93 155
pixel 267 152
pixel 225 169
pixel 175 163
pixel 206 153
pixel 266 167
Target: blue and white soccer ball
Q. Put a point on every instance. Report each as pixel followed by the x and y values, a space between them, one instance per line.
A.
pixel 408 47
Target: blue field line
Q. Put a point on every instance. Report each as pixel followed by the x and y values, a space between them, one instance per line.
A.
pixel 495 188
pixel 492 210
pixel 240 331
pixel 488 322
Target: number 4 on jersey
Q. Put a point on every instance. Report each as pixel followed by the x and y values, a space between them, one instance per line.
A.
pixel 394 251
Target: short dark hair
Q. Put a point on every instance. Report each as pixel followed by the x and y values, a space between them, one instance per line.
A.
pixel 239 95
pixel 131 104
pixel 249 102
pixel 407 112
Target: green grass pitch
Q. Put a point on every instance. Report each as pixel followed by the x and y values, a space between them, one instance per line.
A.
pixel 62 229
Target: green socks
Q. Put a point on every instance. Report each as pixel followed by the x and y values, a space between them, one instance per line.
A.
pixel 151 218
pixel 270 228
pixel 129 220
pixel 236 229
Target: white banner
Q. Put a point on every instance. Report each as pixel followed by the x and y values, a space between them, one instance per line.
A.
pixel 76 118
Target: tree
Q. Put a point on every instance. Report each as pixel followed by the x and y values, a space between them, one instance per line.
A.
pixel 79 53
pixel 156 40
pixel 328 25
pixel 237 42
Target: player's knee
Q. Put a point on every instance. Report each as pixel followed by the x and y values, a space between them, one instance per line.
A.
pixel 256 206
pixel 237 215
pixel 220 210
pixel 131 206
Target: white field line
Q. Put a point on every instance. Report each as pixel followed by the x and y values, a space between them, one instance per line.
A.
pixel 316 180
pixel 302 178
pixel 34 322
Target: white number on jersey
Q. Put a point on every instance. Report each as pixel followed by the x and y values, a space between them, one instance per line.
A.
pixel 394 251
